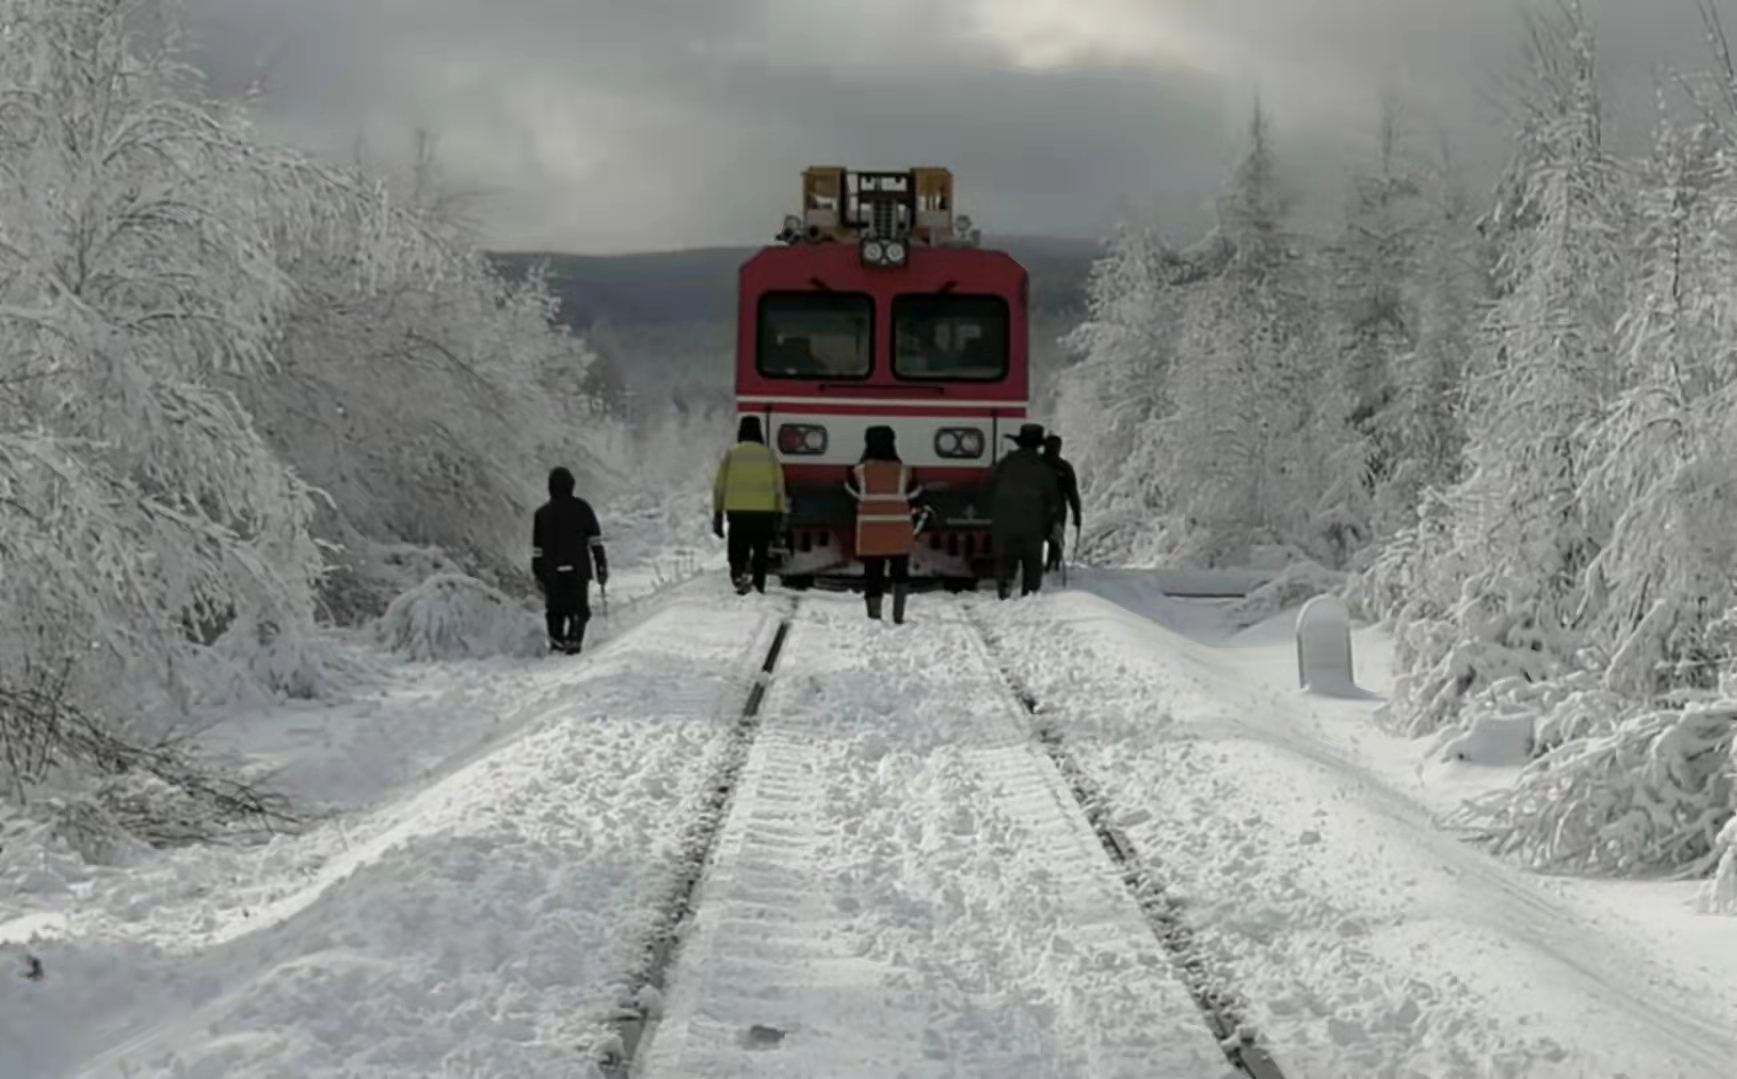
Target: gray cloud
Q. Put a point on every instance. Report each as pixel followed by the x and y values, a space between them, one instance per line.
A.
pixel 600 125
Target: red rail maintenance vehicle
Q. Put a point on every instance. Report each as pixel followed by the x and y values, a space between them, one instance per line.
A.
pixel 878 306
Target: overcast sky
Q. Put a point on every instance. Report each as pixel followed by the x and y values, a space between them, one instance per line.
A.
pixel 619 125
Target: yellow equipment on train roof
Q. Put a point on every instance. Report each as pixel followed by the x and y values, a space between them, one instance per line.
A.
pixel 912 207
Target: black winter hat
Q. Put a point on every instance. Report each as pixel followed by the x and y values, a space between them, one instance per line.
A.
pixel 560 483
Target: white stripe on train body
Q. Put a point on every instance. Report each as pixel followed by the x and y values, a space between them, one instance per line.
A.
pixel 914 435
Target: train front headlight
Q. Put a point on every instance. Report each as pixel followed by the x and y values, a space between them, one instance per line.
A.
pixel 801 440
pixel 959 442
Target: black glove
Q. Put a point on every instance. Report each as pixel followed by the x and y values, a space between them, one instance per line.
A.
pixel 602 574
pixel 718 525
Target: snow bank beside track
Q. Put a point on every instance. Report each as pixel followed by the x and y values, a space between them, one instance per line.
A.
pixel 1367 941
pixel 482 925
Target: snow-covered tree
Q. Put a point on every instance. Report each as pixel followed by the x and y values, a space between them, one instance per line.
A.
pixel 1666 462
pixel 426 394
pixel 1423 418
pixel 193 326
pixel 1651 784
pixel 1117 390
pixel 142 517
pixel 1541 379
pixel 1406 287
pixel 1375 262
pixel 1251 429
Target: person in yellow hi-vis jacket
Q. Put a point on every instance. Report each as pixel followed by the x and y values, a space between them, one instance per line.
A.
pixel 749 490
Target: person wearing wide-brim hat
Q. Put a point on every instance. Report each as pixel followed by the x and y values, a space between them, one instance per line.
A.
pixel 1025 497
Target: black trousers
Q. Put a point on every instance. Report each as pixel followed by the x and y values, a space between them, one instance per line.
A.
pixel 874 573
pixel 1021 552
pixel 567 606
pixel 750 545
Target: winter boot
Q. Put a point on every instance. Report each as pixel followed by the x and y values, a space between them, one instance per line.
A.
pixel 900 591
pixel 874 607
pixel 743 584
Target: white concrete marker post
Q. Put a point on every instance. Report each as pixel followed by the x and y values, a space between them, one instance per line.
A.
pixel 1324 646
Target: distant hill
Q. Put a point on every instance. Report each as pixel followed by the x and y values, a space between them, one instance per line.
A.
pixel 699 285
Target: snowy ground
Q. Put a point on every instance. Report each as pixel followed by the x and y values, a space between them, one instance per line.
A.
pixel 482 921
pixel 906 888
pixel 1368 941
pixel 903 886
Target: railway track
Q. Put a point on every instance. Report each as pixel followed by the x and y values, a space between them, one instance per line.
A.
pixel 1222 1007
pixel 754 912
pixel 631 1022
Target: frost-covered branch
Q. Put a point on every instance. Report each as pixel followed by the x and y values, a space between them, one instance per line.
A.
pixel 1650 796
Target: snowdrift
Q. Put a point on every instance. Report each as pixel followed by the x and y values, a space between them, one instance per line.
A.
pixel 450 616
pixel 1287 590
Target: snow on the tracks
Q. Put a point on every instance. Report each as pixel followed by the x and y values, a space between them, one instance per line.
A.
pixel 1366 941
pixel 484 925
pixel 904 887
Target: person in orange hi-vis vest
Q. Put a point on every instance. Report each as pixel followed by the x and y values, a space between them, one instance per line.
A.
pixel 886 491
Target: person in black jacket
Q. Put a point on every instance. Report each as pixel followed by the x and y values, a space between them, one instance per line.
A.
pixel 1025 499
pixel 565 541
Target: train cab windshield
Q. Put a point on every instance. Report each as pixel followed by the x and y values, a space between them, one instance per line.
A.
pixel 951 337
pixel 816 335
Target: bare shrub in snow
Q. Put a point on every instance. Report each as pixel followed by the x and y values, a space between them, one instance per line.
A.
pixel 259 665
pixel 1651 795
pixel 364 576
pixel 1544 715
pixel 454 617
pixel 155 788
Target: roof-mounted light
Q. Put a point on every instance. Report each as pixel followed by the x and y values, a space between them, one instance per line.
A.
pixel 887 253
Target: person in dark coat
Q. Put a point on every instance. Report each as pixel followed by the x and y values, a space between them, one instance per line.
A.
pixel 1070 492
pixel 566 541
pixel 1024 500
